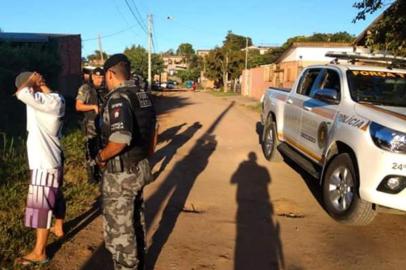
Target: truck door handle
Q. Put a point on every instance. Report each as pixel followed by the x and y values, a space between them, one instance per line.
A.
pixel 289 101
pixel 307 108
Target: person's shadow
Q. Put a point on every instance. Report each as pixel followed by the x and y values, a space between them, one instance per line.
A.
pixel 258 244
pixel 165 154
pixel 182 179
pixel 169 133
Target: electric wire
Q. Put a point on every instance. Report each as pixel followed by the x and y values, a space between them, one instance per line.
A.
pixel 123 17
pixel 112 34
pixel 135 17
pixel 139 14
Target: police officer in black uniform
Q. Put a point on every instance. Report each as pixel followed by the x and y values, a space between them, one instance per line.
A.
pixel 128 132
pixel 89 99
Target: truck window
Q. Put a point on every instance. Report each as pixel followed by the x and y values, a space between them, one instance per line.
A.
pixel 387 88
pixel 329 79
pixel 307 81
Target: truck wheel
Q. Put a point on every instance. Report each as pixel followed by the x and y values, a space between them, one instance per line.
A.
pixel 270 141
pixel 340 193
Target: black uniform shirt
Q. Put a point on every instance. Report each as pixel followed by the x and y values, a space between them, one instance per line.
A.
pixel 119 119
pixel 128 114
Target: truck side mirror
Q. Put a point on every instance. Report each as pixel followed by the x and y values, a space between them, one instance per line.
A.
pixel 327 95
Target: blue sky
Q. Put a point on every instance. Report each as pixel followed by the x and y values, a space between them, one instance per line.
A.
pixel 203 23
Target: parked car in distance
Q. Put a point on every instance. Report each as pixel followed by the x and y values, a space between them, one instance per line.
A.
pixel 163 85
pixel 156 86
pixel 188 84
pixel 170 85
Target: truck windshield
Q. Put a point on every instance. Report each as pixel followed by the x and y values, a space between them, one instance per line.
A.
pixel 376 87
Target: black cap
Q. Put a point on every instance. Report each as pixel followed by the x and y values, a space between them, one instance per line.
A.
pixel 22 78
pixel 115 59
pixel 98 71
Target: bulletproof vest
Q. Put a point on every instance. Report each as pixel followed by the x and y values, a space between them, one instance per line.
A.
pixel 93 100
pixel 101 96
pixel 144 118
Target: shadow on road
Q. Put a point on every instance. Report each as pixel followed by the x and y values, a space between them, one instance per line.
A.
pixel 74 226
pixel 258 243
pixel 165 154
pixel 167 103
pixel 311 182
pixel 169 133
pixel 101 259
pixel 182 178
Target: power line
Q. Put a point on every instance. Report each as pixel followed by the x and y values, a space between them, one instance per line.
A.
pixel 135 16
pixel 139 14
pixel 122 16
pixel 110 35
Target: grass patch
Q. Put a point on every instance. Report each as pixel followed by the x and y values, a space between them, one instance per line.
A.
pixel 221 93
pixel 15 239
pixel 256 107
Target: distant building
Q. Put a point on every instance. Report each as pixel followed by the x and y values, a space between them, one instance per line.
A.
pixel 97 62
pixel 284 72
pixel 203 81
pixel 69 50
pixel 172 63
pixel 261 48
pixel 302 54
pixel 202 53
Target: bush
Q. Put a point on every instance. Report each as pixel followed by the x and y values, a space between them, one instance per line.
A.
pixel 13 60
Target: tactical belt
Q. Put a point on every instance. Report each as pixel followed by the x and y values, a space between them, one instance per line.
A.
pixel 118 165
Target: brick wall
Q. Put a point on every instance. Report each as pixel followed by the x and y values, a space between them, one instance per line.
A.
pixel 255 81
pixel 69 48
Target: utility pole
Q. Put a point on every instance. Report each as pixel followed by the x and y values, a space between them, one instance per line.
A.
pixel 149 51
pixel 101 50
pixel 246 67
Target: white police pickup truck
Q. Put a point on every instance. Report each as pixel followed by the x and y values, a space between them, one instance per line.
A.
pixel 345 124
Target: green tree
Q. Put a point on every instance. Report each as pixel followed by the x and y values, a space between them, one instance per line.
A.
pixel 186 50
pixel 256 59
pixel 366 7
pixel 194 62
pixel 227 62
pixel 224 64
pixel 96 56
pixel 214 67
pixel 236 42
pixel 388 33
pixel 36 57
pixel 138 57
pixel 320 37
pixel 169 52
pixel 188 74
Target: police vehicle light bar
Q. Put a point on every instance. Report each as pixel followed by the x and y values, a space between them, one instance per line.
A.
pixel 367 57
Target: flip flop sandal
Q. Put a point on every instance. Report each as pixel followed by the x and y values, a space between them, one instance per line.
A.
pixel 27 262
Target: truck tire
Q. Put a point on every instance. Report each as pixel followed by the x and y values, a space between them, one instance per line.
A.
pixel 340 193
pixel 270 141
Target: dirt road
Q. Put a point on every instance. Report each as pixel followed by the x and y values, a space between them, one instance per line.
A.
pixel 218 204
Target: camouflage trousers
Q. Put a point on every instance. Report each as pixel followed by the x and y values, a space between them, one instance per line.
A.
pixel 123 210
